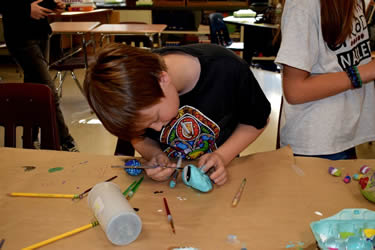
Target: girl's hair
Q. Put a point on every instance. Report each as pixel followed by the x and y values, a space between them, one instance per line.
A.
pixel 120 82
pixel 337 20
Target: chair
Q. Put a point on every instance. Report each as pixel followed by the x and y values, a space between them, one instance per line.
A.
pixel 124 148
pixel 63 62
pixel 219 33
pixel 68 65
pixel 28 105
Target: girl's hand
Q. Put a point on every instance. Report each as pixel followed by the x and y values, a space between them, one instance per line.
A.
pixel 38 12
pixel 160 173
pixel 214 160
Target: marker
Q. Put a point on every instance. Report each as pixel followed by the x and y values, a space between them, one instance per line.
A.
pixel 237 197
pixel 169 215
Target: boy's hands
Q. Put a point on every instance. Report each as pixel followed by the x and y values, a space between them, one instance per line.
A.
pixel 160 173
pixel 214 160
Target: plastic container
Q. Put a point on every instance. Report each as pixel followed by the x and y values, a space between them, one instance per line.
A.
pixel 117 218
pixel 345 230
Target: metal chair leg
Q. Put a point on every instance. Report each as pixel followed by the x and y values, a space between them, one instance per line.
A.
pixel 77 82
pixel 61 78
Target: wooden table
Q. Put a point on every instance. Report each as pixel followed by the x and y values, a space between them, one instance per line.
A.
pixel 254 35
pixel 101 15
pixel 148 30
pixel 283 195
pixel 75 28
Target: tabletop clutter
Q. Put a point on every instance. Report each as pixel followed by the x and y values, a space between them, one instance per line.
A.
pixel 352 228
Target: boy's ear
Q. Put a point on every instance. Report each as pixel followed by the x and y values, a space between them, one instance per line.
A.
pixel 164 79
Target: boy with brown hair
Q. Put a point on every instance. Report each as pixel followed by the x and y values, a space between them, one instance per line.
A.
pixel 195 101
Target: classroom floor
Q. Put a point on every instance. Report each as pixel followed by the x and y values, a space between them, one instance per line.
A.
pixel 91 136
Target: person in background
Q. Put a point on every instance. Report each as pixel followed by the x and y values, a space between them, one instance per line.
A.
pixel 26 31
pixel 199 101
pixel 327 77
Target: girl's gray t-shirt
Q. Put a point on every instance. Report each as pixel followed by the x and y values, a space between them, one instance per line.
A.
pixel 333 124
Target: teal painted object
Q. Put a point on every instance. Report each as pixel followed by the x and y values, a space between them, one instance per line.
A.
pixel 195 177
pixel 344 230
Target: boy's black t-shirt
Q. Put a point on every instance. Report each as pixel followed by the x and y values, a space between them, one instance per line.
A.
pixel 225 95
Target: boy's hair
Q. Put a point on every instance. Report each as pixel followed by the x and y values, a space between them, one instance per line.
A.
pixel 120 82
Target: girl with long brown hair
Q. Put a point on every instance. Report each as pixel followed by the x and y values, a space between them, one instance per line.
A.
pixel 327 75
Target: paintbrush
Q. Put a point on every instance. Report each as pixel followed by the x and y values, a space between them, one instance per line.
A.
pixel 88 190
pixel 169 215
pixel 173 182
pixel 144 167
pixel 64 235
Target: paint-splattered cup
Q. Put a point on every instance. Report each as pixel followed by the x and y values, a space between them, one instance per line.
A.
pixel 115 215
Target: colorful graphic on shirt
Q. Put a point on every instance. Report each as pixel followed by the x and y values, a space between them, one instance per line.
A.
pixel 191 134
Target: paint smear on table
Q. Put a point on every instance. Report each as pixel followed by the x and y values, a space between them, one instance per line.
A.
pixel 28 168
pixel 51 170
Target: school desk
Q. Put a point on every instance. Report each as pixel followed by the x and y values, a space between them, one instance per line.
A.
pixel 255 36
pixel 282 196
pixel 75 28
pixel 148 30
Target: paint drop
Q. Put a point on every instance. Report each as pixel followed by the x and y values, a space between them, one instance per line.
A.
pixel 318 213
pixel 28 168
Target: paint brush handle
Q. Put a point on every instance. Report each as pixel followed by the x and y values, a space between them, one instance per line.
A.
pixel 169 215
pixel 142 167
pixel 173 182
pixel 44 195
pixel 237 197
pixel 61 236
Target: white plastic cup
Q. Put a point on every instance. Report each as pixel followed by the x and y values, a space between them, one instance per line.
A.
pixel 117 218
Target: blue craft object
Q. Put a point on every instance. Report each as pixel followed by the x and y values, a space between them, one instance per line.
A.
pixel 195 177
pixel 133 171
pixel 344 230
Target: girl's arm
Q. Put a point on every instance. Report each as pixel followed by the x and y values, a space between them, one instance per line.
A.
pixel 300 87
